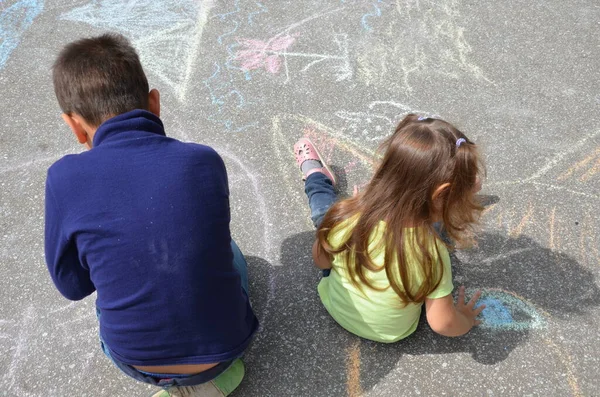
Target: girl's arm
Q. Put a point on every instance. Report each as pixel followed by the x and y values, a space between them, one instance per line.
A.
pixel 322 259
pixel 449 320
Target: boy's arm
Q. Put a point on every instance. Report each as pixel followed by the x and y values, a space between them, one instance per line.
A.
pixel 71 279
pixel 322 260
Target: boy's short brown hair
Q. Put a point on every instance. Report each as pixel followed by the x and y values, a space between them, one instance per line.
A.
pixel 100 77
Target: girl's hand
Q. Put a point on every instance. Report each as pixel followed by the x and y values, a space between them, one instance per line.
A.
pixel 469 310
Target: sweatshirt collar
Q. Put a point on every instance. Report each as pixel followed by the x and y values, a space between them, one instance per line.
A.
pixel 135 120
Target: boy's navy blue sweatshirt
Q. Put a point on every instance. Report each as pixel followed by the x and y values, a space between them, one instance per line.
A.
pixel 143 219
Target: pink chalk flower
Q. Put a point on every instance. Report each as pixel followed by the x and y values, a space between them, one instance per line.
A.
pixel 268 54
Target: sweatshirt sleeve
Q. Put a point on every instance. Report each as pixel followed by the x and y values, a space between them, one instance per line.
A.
pixel 71 279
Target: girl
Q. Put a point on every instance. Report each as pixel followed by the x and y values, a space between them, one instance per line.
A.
pixel 381 252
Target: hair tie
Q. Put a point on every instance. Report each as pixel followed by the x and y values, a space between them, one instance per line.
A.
pixel 421 118
pixel 460 141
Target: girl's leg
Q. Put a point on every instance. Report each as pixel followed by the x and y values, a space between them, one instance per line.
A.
pixel 319 180
pixel 319 190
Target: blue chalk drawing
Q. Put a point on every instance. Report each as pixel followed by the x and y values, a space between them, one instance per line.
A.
pixel 166 33
pixel 376 12
pixel 262 9
pixel 508 311
pixel 225 96
pixel 14 21
pixel 222 92
pixel 495 314
pixel 226 16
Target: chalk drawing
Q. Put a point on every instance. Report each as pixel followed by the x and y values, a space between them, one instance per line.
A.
pixel 506 310
pixel 356 158
pixel 273 53
pixel 504 255
pixel 587 166
pixel 375 124
pixel 552 222
pixel 567 361
pixel 26 165
pixel 226 16
pixel 261 10
pixel 222 84
pixel 268 250
pixel 553 162
pixel 224 96
pixel 14 22
pixel 19 351
pixel 40 331
pixel 516 232
pixel 245 56
pixel 353 144
pixel 167 33
pixel 589 243
pixel 353 387
pixel 428 39
pixel 259 54
pixel 375 12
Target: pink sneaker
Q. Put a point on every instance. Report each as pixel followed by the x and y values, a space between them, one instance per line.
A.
pixel 305 150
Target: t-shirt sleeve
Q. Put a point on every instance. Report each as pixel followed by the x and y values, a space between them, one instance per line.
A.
pixel 445 287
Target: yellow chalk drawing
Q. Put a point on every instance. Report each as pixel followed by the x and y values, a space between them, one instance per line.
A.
pixel 588 242
pixel 516 232
pixel 566 360
pixel 353 386
pixel 583 165
pixel 499 219
pixel 552 217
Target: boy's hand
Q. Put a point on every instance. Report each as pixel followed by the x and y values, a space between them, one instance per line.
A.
pixel 468 310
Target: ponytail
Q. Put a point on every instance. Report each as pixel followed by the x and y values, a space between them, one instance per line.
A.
pixel 461 209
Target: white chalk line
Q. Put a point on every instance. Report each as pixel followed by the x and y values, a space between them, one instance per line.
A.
pixel 506 255
pixel 63 308
pixel 29 163
pixel 267 246
pixel 300 23
pixel 544 185
pixel 293 26
pixel 262 207
pixel 20 348
pixel 201 20
pixel 154 28
pixel 300 54
pixel 553 162
pixel 550 164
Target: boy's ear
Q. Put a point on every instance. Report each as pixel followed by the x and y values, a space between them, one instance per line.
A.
pixel 77 128
pixel 444 187
pixel 154 102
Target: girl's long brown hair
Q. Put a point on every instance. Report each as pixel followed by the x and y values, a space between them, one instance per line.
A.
pixel 419 157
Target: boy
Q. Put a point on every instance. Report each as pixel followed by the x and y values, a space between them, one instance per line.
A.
pixel 143 219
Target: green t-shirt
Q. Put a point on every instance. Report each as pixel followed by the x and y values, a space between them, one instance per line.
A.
pixel 371 314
